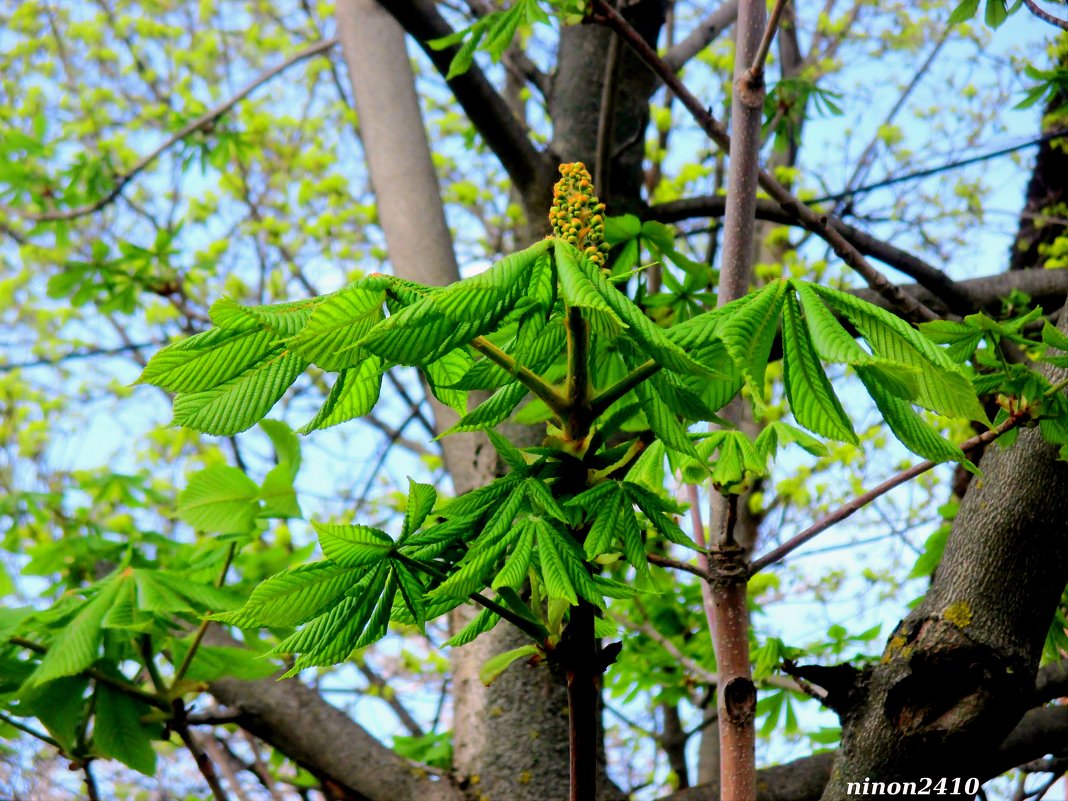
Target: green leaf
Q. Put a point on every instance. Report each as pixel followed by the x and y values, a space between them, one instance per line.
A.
pixel 907 425
pixel 293 596
pixel 579 292
pixel 514 572
pixel 77 646
pixel 450 317
pixel 354 394
pixel 941 384
pixel 653 339
pixel 661 420
pixel 118 733
pixel 278 494
pixel 444 374
pixel 749 334
pixel 512 456
pixel 496 665
pixel 353 546
pixel 831 340
pixel 482 623
pixel 492 411
pixel 421 499
pixel 485 551
pixel 1053 337
pixel 963 12
pixel 280 319
pixel 242 401
pixel 59 705
pixel 285 442
pixel 212 662
pixel 337 324
pixel 554 571
pixel 812 400
pixel 209 359
pixel 219 500
pixel 413 592
pixel 996 13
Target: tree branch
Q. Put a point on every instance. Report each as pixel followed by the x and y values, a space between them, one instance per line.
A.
pixel 203 121
pixel 1045 16
pixel 701 36
pixel 483 105
pixel 811 220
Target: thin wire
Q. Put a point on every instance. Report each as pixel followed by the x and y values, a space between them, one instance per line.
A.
pixel 913 176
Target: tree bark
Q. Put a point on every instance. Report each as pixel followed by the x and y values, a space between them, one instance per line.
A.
pixel 958 672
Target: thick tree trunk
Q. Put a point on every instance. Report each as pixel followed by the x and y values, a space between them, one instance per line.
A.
pixel 959 671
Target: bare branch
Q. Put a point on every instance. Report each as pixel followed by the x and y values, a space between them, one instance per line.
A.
pixel 1045 16
pixel 848 509
pixel 703 35
pixel 812 220
pixel 205 120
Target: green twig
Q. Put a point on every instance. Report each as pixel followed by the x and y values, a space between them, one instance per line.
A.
pixel 100 676
pixel 44 738
pixel 527 377
pixel 202 629
pixel 607 397
pixel 528 627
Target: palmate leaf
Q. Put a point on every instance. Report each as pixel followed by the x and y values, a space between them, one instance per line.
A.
pixel 354 394
pixel 118 732
pixel 219 500
pixel 445 374
pixel 448 318
pixel 487 548
pixel 281 319
pixel 653 339
pixel 812 400
pixel 749 333
pixel 329 338
pixel 579 292
pixel 209 359
pixel 242 401
pixel 663 421
pixel 492 411
pixel 552 553
pixel 832 342
pixel 333 635
pixel 484 621
pixel 77 646
pixel 941 385
pixel 907 425
pixel 514 572
pixel 353 546
pixel 421 499
pixel 293 596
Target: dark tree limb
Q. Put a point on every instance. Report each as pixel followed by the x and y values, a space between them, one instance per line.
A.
pixel 485 108
pixel 810 219
pixel 949 292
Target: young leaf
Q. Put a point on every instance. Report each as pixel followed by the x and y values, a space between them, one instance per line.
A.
pixel 77 645
pixel 496 665
pixel 219 500
pixel 293 596
pixel 242 401
pixel 421 499
pixel 118 733
pixel 353 546
pixel 907 425
pixel 514 572
pixel 749 334
pixel 337 324
pixel 354 394
pixel 209 359
pixel 482 623
pixel 554 572
pixel 812 400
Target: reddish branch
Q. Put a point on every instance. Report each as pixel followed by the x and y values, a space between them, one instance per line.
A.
pixel 813 221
